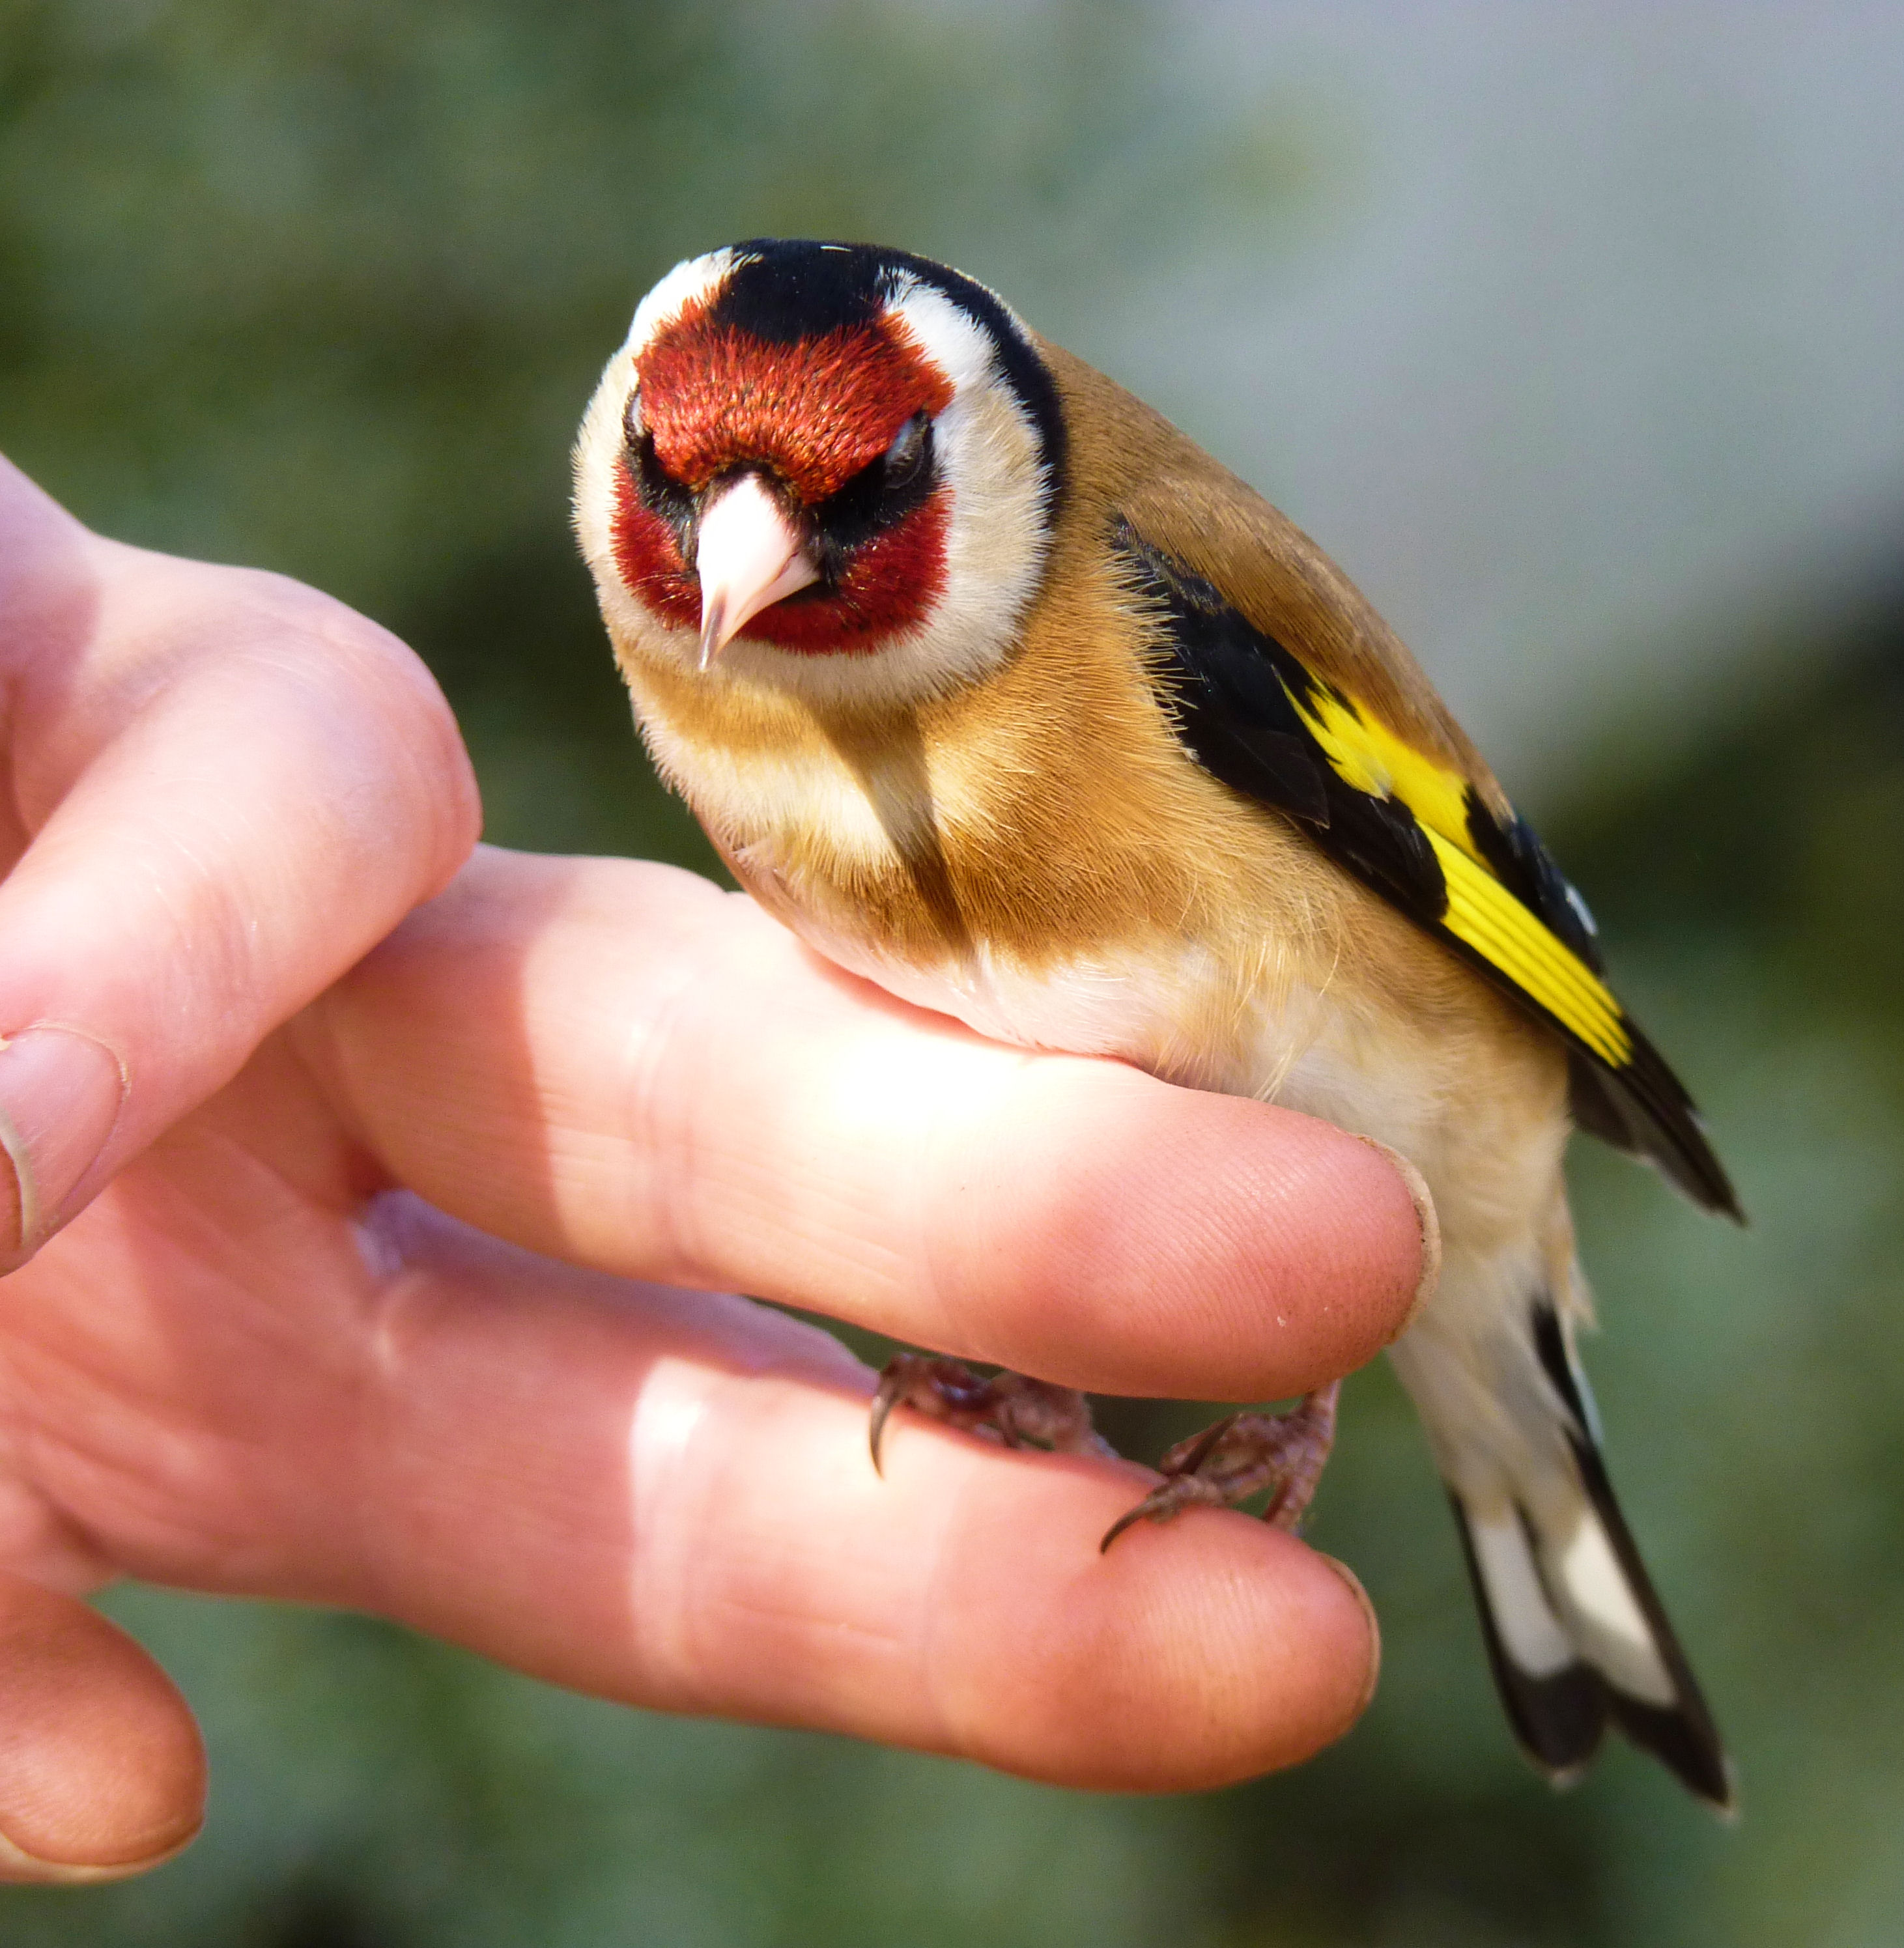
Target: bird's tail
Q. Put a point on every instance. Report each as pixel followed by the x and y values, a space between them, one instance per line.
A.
pixel 1576 1636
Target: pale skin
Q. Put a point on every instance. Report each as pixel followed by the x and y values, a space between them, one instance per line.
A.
pixel 395 1283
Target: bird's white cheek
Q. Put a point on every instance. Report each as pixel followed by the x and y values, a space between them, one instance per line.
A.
pixel 598 445
pixel 597 456
pixel 995 545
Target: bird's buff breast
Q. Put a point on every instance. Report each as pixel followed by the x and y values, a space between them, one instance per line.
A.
pixel 1170 1010
pixel 1262 1024
pixel 847 856
pixel 1180 932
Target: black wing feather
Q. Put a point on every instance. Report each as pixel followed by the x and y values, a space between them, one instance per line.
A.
pixel 1234 690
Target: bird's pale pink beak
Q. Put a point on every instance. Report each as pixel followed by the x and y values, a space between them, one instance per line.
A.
pixel 749 557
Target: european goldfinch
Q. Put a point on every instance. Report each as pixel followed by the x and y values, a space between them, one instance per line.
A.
pixel 998 690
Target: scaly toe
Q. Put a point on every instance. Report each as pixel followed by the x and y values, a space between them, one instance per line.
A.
pixel 1229 1462
pixel 1005 1406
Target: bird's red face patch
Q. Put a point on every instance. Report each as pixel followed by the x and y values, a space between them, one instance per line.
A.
pixel 815 411
pixel 892 582
pixel 811 414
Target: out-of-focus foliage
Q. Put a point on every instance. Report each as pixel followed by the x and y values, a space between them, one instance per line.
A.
pixel 323 288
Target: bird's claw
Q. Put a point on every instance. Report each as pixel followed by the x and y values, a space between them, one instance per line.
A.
pixel 1006 1407
pixel 1229 1462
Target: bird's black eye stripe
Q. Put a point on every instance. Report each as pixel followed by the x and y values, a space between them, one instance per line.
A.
pixel 660 493
pixel 901 461
pixel 880 496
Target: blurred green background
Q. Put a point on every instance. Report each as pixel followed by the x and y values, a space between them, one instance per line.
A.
pixel 1572 332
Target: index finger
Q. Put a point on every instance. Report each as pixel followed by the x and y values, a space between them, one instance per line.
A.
pixel 225 787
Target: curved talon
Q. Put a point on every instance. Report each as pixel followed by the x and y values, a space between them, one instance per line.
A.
pixel 1170 1497
pixel 1189 1456
pixel 883 1402
pixel 1228 1462
pixel 944 1388
pixel 1006 1408
pixel 1129 1519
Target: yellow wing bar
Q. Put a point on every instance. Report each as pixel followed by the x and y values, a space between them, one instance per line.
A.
pixel 1370 757
pixel 1482 913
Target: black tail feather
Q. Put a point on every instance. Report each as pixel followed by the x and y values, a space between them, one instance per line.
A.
pixel 1560 1709
pixel 1684 1739
pixel 1558 1719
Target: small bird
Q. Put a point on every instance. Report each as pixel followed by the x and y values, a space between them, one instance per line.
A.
pixel 999 691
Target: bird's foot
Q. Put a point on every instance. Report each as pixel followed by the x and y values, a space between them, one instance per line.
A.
pixel 1007 1407
pixel 1228 1463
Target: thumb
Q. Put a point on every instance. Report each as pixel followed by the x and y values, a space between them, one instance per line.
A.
pixel 102 1771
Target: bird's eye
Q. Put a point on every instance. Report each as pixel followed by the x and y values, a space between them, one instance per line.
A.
pixel 908 448
pixel 633 423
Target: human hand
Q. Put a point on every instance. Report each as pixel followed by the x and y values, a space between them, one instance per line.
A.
pixel 221 788
pixel 257 1365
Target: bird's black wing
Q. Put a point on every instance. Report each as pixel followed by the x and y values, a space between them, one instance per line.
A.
pixel 1407 825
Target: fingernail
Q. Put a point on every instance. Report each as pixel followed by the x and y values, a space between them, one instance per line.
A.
pixel 1417 1185
pixel 19 1867
pixel 1361 1596
pixel 59 1095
